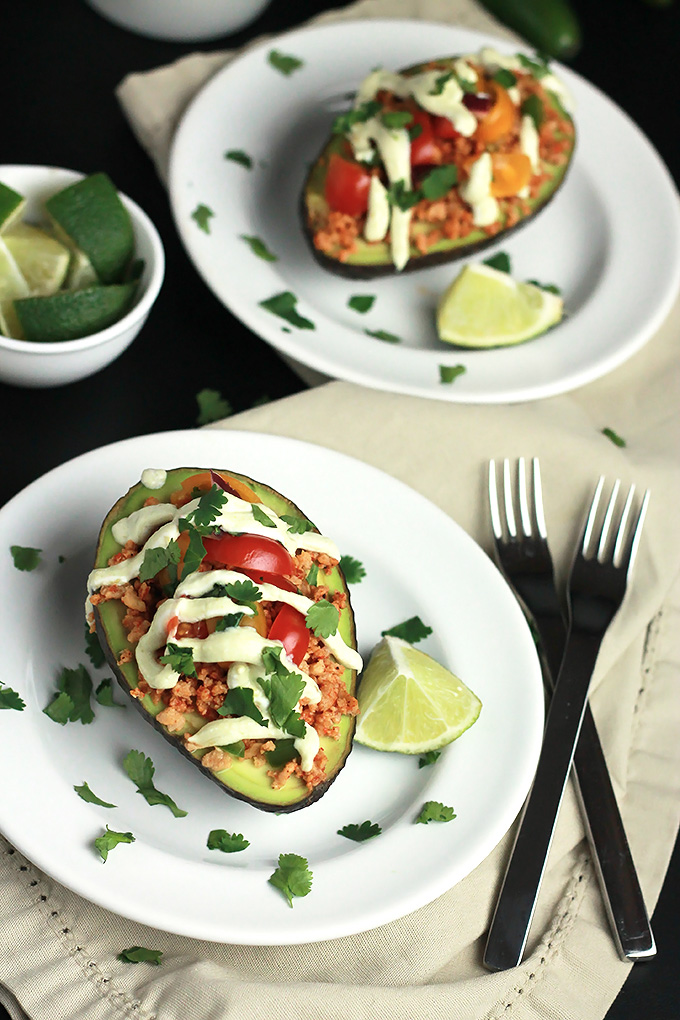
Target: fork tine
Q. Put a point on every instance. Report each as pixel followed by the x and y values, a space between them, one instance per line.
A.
pixel 637 532
pixel 621 533
pixel 507 499
pixel 524 513
pixel 592 514
pixel 538 499
pixel 493 502
pixel 606 524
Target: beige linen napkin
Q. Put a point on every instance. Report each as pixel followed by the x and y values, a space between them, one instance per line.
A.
pixel 58 952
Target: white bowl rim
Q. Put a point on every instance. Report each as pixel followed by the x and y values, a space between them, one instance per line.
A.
pixel 141 309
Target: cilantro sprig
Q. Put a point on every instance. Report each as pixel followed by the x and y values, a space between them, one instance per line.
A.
pixel 139 954
pixel 323 618
pixel 283 688
pixel 104 694
pixel 10 699
pixel 361 303
pixel 209 508
pixel 346 121
pixel 499 261
pixel 93 648
pixel 435 811
pixel 239 701
pixel 25 557
pixel 429 758
pixel 72 700
pixel 86 794
pixel 449 373
pixel 202 216
pixel 227 842
pixel 360 832
pixel 411 630
pixel 297 525
pixel 292 877
pixel 284 62
pixel 383 334
pixel 352 568
pixel 110 839
pixel 284 305
pixel 259 248
pixel 212 406
pixel 140 770
pixel 615 438
pixel 180 658
pixel 241 157
pixel 261 517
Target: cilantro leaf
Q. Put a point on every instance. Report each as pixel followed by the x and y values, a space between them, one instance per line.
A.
pixel 352 568
pixel 158 559
pixel 552 288
pixel 297 525
pixel 194 553
pixel 283 688
pixel 259 248
pixel 208 510
pixel 292 876
pixel 93 648
pixel 104 694
pixel 447 373
pixel 439 181
pixel 72 702
pixel 537 67
pixel 323 618
pixel 180 658
pixel 111 839
pixel 313 575
pixel 237 748
pixel 138 954
pixel 228 843
pixel 240 157
pixel 435 811
pixel 382 334
pixel 10 699
pixel 230 620
pixel 499 261
pixel 240 701
pixel 243 592
pixel 411 630
pixel 429 758
pixel 505 77
pixel 141 770
pixel 212 406
pixel 25 557
pixel 616 439
pixel 283 305
pixel 261 517
pixel 396 119
pixel 86 794
pixel 283 62
pixel 359 833
pixel 202 215
pixel 441 82
pixel 282 753
pixel 361 302
pixel 533 107
pixel 345 121
pixel 398 194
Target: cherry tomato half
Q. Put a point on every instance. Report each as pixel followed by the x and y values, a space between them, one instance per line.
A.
pixel 346 187
pixel 289 628
pixel 424 149
pixel 501 117
pixel 266 577
pixel 443 128
pixel 251 552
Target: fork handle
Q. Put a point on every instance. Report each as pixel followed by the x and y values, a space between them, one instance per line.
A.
pixel 613 860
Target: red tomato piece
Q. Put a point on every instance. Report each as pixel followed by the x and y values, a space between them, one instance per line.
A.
pixel 443 128
pixel 346 187
pixel 266 577
pixel 289 627
pixel 424 149
pixel 253 552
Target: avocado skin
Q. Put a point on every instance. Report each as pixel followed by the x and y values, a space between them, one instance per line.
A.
pixel 306 797
pixel 358 271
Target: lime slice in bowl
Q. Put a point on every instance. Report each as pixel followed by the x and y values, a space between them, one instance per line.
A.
pixel 42 260
pixel 69 315
pixel 12 206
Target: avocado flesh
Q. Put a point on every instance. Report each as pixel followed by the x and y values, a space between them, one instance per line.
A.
pixel 374 259
pixel 242 780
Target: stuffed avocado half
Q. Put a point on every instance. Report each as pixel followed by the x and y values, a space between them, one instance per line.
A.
pixel 224 615
pixel 436 162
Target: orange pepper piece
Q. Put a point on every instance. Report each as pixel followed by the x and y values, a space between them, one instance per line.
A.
pixel 500 119
pixel 511 172
pixel 257 621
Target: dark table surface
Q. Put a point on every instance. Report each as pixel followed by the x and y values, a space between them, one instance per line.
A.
pixel 61 63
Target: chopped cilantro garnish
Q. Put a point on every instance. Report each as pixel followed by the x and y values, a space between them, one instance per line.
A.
pixel 552 288
pixel 345 121
pixel 110 839
pixel 237 748
pixel 616 439
pixel 240 157
pixel 259 248
pixel 360 832
pixel 533 107
pixel 243 592
pixel 228 843
pixel 297 525
pixel 86 794
pixel 361 302
pixel 439 181
pixel 10 699
pixel 212 406
pixel 447 373
pixel 398 194
pixel 138 954
pixel 435 811
pixel 208 510
pixel 261 517
pixel 282 753
pixel 505 78
pixel 283 689
pixel 25 557
pixel 72 702
pixel 382 334
pixel 158 559
pixel 93 648
pixel 429 758
pixel 230 620
pixel 411 630
pixel 283 62
pixel 323 618
pixel 441 82
pixel 395 119
pixel 140 769
pixel 239 701
pixel 499 261
pixel 292 876
pixel 194 553
pixel 313 575
pixel 415 131
pixel 180 658
pixel 352 568
pixel 104 694
pixel 538 67
pixel 202 215
pixel 283 305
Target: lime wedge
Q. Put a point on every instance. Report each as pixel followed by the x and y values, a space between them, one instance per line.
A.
pixel 485 307
pixel 409 702
pixel 12 205
pixel 90 216
pixel 81 272
pixel 12 286
pixel 42 260
pixel 68 315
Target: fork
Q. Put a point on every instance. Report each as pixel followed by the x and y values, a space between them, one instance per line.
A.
pixel 596 589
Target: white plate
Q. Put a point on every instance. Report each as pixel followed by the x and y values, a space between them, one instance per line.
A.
pixel 595 240
pixel 417 561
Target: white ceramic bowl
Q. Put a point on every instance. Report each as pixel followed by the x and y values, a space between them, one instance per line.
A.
pixel 26 363
pixel 181 20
